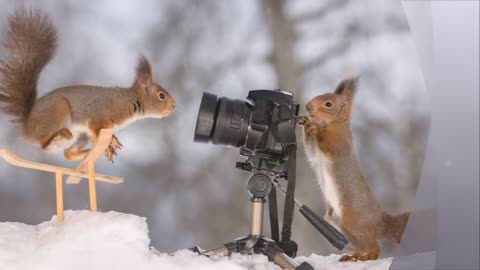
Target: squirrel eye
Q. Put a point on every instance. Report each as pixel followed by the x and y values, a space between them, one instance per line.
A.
pixel 161 96
pixel 328 104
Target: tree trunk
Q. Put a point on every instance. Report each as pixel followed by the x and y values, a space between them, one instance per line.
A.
pixel 283 39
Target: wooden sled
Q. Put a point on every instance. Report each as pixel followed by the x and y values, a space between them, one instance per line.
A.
pixel 86 169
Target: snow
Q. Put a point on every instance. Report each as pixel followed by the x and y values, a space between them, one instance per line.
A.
pixel 112 240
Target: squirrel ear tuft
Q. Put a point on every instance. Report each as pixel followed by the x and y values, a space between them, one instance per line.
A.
pixel 144 72
pixel 347 88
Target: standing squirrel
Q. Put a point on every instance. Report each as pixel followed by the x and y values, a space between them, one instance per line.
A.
pixel 351 206
pixel 67 117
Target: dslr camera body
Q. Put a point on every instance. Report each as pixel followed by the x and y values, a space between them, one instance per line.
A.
pixel 262 127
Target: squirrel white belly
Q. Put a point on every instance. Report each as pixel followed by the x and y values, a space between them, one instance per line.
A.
pixel 322 168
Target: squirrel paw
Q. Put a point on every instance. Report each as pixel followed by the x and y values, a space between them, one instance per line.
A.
pixel 357 256
pixel 109 153
pixel 352 258
pixel 302 120
pixel 311 129
pixel 116 143
pixel 112 148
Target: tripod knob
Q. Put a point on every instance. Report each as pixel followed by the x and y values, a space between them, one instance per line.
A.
pixel 259 185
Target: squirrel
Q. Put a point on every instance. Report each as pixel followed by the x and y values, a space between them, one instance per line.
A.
pixel 351 206
pixel 67 117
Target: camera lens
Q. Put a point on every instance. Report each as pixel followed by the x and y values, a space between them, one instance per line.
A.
pixel 222 121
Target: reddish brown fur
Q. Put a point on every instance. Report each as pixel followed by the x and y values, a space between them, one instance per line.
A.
pixel 66 116
pixel 31 43
pixel 361 217
pixel 394 225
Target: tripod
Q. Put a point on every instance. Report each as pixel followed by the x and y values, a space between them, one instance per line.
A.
pixel 259 186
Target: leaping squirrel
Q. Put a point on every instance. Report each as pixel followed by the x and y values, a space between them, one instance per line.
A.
pixel 351 206
pixel 67 117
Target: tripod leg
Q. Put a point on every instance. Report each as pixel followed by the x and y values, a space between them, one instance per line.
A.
pixel 272 208
pixel 276 255
pixel 222 250
pixel 226 249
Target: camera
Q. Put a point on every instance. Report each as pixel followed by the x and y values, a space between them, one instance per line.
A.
pixel 262 127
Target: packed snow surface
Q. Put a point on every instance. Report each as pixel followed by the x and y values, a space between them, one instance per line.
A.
pixel 112 240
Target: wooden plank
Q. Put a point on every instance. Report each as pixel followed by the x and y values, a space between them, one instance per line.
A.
pixel 104 138
pixel 16 161
pixel 59 192
pixel 91 185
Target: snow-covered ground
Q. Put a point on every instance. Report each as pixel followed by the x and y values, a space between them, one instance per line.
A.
pixel 113 240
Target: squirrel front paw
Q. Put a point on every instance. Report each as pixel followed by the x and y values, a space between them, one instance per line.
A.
pixel 302 120
pixel 112 148
pixel 311 129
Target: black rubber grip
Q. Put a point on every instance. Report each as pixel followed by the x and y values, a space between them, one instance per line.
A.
pixel 336 238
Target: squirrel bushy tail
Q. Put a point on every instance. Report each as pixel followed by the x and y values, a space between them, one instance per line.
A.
pixel 395 225
pixel 31 43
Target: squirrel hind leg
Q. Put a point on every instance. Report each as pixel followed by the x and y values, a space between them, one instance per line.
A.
pixel 57 140
pixel 75 151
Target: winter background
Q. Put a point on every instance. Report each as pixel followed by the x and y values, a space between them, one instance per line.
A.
pixel 190 193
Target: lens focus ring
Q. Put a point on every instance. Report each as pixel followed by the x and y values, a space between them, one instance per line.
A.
pixel 231 122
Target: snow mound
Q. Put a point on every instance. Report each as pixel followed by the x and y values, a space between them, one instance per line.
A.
pixel 112 240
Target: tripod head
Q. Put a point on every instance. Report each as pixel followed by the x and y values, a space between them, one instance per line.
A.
pixel 259 185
